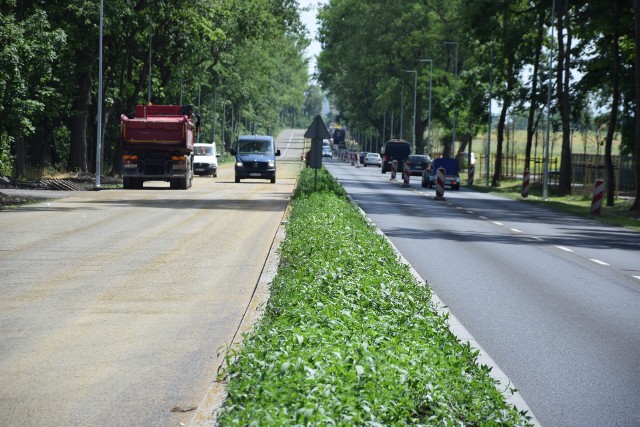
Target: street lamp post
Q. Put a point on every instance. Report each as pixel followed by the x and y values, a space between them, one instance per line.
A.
pixel 455 85
pixel 545 177
pixel 430 61
pixel 401 106
pixel 415 88
pixel 99 136
pixel 150 51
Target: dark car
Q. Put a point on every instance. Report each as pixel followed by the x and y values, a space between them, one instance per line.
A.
pixel 451 176
pixel 395 149
pixel 362 156
pixel 418 163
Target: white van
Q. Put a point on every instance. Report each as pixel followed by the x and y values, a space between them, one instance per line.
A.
pixel 205 161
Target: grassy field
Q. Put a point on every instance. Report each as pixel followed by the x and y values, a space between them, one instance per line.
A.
pixel 350 337
pixel 576 204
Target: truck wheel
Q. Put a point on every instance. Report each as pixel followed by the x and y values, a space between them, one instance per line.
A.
pixel 237 180
pixel 136 183
pixel 183 183
pixel 173 183
pixel 126 182
pixel 273 179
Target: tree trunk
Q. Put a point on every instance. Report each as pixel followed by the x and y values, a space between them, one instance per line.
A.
pixel 636 8
pixel 78 124
pixel 497 174
pixel 613 118
pixel 20 165
pixel 533 104
pixel 563 79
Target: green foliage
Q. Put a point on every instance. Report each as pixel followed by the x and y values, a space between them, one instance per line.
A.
pixel 6 159
pixel 350 338
pixel 325 183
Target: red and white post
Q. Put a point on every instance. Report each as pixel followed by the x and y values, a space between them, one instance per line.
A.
pixel 598 192
pixel 439 184
pixel 406 174
pixel 525 184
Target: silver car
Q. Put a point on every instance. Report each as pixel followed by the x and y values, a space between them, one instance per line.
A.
pixel 373 159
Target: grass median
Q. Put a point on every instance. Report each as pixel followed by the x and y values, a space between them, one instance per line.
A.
pixel 350 337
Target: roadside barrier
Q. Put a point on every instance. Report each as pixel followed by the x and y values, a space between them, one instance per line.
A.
pixel 439 184
pixel 598 192
pixel 525 184
pixel 406 174
pixel 394 170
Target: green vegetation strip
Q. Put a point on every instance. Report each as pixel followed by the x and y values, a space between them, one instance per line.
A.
pixel 349 337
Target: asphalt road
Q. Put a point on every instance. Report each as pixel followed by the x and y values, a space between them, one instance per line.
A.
pixel 553 299
pixel 116 305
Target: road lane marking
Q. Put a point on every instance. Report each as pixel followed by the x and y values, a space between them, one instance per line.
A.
pixel 515 230
pixel 470 212
pixel 637 277
pixel 482 217
pixel 597 261
pixel 564 249
pixel 497 223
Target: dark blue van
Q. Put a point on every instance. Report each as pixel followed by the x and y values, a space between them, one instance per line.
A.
pixel 255 157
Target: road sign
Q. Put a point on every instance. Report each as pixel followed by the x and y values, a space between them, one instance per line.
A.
pixel 317 130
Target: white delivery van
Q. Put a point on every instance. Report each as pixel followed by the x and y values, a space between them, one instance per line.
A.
pixel 205 161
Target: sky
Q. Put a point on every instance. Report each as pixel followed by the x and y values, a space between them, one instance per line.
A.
pixel 309 20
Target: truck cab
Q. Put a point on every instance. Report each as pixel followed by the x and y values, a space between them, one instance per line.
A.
pixel 255 157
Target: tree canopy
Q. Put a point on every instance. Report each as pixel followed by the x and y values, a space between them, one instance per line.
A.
pixel 478 50
pixel 243 58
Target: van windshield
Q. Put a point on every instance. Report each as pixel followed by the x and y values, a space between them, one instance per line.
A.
pixel 255 147
pixel 204 151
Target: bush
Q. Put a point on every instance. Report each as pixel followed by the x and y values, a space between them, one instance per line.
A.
pixel 349 337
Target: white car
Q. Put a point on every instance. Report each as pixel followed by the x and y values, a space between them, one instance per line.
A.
pixel 373 159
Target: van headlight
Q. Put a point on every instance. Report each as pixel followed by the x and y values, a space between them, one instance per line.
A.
pixel 271 163
pixel 239 164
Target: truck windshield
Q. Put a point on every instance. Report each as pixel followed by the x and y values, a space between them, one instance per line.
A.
pixel 255 147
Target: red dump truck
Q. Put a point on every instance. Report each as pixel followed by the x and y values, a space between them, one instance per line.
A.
pixel 157 145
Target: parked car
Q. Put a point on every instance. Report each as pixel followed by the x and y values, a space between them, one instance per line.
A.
pixel 205 160
pixel 373 159
pixel 451 176
pixel 418 163
pixel 326 151
pixel 395 149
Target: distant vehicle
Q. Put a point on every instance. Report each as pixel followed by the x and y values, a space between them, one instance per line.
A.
pixel 326 151
pixel 338 135
pixel 255 157
pixel 451 176
pixel 395 149
pixel 373 159
pixel 362 156
pixel 418 163
pixel 205 161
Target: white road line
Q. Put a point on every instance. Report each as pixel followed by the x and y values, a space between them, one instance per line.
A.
pixel 637 277
pixel 597 261
pixel 515 230
pixel 537 238
pixel 470 212
pixel 482 217
pixel 564 249
pixel 497 223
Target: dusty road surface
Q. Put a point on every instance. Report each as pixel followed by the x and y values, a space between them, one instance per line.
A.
pixel 115 305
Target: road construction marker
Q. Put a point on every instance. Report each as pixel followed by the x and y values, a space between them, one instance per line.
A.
pixel 598 191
